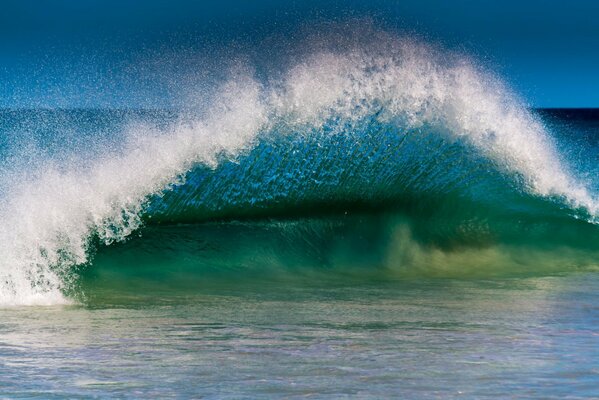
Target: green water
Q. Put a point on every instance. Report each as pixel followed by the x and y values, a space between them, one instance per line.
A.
pixel 426 338
pixel 289 310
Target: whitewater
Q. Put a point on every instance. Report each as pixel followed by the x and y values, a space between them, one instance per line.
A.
pixel 54 209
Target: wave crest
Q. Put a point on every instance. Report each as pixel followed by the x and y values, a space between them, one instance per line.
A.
pixel 50 213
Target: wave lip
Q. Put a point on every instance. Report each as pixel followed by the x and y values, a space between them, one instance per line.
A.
pixel 51 214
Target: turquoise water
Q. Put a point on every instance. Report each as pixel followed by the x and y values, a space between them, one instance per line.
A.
pixel 437 338
pixel 382 220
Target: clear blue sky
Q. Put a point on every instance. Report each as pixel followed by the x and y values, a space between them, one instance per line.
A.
pixel 113 53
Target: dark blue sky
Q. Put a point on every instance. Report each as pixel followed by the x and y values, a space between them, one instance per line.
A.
pixel 132 53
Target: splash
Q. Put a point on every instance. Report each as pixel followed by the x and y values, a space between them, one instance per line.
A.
pixel 51 213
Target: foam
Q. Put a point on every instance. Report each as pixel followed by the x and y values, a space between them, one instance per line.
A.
pixel 49 214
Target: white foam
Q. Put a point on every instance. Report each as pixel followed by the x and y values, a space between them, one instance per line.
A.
pixel 49 215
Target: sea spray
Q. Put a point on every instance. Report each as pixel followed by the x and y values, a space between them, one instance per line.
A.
pixel 51 213
pixel 49 219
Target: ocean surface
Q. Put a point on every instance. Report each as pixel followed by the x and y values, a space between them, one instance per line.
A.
pixel 372 222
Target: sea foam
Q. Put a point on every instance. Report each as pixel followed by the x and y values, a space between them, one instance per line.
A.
pixel 50 213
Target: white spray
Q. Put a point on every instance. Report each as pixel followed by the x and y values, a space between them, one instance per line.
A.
pixel 49 216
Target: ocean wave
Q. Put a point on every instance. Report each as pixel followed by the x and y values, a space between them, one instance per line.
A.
pixel 384 120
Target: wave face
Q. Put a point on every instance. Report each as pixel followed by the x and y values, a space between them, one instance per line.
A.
pixel 384 126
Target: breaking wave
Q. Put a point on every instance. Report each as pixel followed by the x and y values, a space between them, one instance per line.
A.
pixel 385 126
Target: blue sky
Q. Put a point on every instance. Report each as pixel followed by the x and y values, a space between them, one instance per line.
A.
pixel 128 53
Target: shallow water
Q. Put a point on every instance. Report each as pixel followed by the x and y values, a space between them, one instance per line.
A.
pixel 439 338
